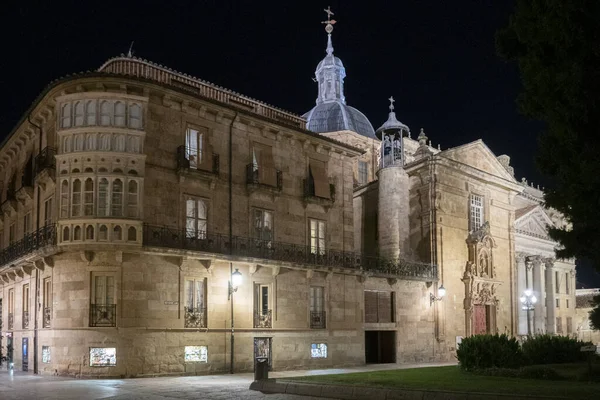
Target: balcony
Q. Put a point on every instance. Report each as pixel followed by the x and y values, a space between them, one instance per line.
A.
pixel 317 320
pixel 166 237
pixel 310 195
pixel 45 236
pixel 47 317
pixel 25 319
pixel 259 176
pixel 10 204
pixel 103 315
pixel 195 317
pixel 263 319
pixel 11 321
pixel 191 162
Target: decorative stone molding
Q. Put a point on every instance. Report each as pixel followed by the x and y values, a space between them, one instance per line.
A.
pixel 392 281
pixel 86 256
pixel 27 269
pixel 253 268
pixel 309 274
pixel 275 270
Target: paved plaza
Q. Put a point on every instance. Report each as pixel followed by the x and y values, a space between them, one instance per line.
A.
pixel 25 386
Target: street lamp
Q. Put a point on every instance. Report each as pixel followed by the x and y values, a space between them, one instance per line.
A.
pixel 528 300
pixel 235 280
pixel 441 294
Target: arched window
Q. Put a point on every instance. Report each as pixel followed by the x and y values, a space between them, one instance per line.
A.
pixel 117 171
pixel 78 113
pixel 132 199
pixel 119 143
pixel 132 234
pixel 102 169
pixel 105 113
pixel 103 233
pixel 117 233
pixel 117 198
pixel 78 142
pixel 77 233
pixel 66 115
pixel 119 113
pixel 65 234
pixel 89 233
pixel 76 199
pixel 67 144
pixel 103 197
pixel 134 144
pixel 90 112
pixel 64 199
pixel 105 142
pixel 88 169
pixel 135 116
pixel 132 172
pixel 88 197
pixel 90 141
pixel 75 171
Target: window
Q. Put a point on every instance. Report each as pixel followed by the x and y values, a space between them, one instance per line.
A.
pixel 77 233
pixel 119 143
pixel 117 233
pixel 135 116
pixel 557 282
pixel 379 306
pixel 46 354
pixel 262 302
pixel 11 308
pixel 104 289
pixel 25 306
pixel 558 325
pixel 88 197
pixel 557 303
pixel 196 354
pixel 263 167
pixel 132 199
pixel 47 302
pixel 363 172
pixel 66 116
pixel 569 325
pixel 197 150
pixel 12 232
pixel 78 143
pixel 567 303
pixel 318 183
pixel 317 312
pixel 103 309
pixel 67 144
pixel 103 198
pixel 78 113
pixel 476 212
pixel 567 283
pixel 103 356
pixel 65 234
pixel 317 237
pixel 117 198
pixel 131 234
pixel 64 199
pixel 89 232
pixel 90 142
pixel 119 113
pixel 318 350
pixel 196 217
pixel 90 112
pixel 105 113
pixel 103 233
pixel 48 211
pixel 104 142
pixel 76 199
pixel 27 224
pixel 263 226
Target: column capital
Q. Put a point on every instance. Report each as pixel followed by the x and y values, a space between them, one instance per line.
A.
pixel 520 257
pixel 549 261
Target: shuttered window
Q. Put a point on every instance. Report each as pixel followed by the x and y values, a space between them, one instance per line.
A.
pixel 379 306
pixel 263 165
pixel 198 150
pixel 318 177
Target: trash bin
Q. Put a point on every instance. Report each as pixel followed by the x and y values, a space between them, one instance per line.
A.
pixel 261 371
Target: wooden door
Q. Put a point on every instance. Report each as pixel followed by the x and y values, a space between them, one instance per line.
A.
pixel 479 320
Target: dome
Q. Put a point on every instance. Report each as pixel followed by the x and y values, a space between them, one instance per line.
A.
pixel 392 124
pixel 330 60
pixel 336 116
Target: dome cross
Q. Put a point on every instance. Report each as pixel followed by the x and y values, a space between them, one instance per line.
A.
pixel 392 101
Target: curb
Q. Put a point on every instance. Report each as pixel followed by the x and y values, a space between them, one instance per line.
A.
pixel 342 392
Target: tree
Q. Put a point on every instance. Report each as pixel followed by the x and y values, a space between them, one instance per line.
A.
pixel 595 313
pixel 556 44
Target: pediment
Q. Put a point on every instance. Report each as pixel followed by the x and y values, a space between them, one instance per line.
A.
pixel 533 221
pixel 477 155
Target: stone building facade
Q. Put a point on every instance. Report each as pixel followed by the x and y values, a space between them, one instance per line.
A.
pixel 584 304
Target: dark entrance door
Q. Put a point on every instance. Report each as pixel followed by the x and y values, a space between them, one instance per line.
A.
pixel 380 347
pixel 263 348
pixel 25 354
pixel 480 319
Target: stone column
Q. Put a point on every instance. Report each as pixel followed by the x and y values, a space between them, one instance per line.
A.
pixel 521 286
pixel 539 319
pixel 393 212
pixel 550 296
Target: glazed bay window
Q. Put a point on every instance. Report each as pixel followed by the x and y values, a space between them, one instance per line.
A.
pixel 317 310
pixel 317 237
pixel 262 309
pixel 197 149
pixel 263 227
pixel 195 303
pixel 196 215
pixel 475 212
pixel 93 112
pixel 116 202
pixel 103 310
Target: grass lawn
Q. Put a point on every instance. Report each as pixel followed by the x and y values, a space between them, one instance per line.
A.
pixel 453 379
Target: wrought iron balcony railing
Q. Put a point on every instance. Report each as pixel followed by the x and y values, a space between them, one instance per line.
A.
pixel 25 319
pixel 195 317
pixel 162 236
pixel 190 158
pixel 47 317
pixel 309 189
pixel 45 236
pixel 259 175
pixel 317 320
pixel 11 321
pixel 103 315
pixel 263 319
pixel 45 160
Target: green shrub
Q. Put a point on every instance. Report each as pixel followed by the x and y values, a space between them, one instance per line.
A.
pixel 549 349
pixel 529 372
pixel 487 351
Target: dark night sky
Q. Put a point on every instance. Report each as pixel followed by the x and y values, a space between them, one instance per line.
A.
pixel 436 57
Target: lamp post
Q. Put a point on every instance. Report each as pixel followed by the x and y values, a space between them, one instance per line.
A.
pixel 528 300
pixel 235 279
pixel 441 294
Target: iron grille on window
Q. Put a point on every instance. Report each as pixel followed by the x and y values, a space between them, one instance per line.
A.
pixel 317 320
pixel 47 317
pixel 184 162
pixel 263 319
pixel 195 317
pixel 25 319
pixel 45 160
pixel 103 315
pixel 11 321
